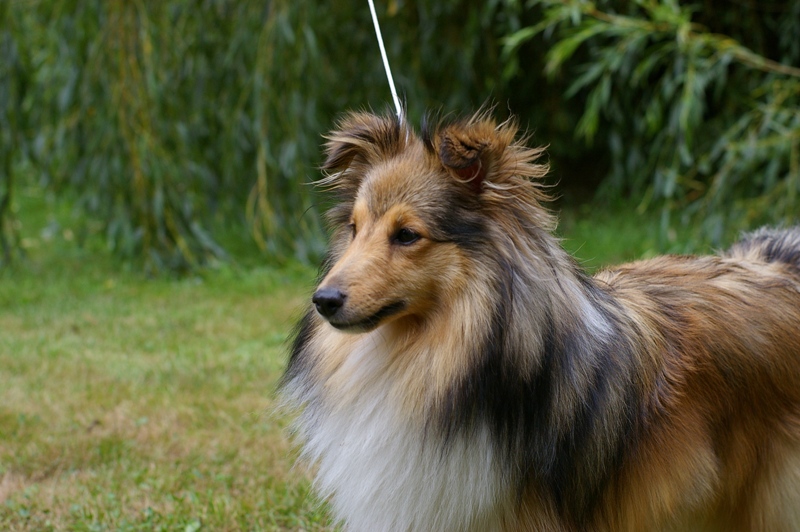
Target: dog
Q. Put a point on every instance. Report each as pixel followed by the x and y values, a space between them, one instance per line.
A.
pixel 457 370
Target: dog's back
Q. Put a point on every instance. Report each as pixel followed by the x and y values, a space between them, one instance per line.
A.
pixel 727 441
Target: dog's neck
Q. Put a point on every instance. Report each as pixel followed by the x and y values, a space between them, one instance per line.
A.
pixel 541 377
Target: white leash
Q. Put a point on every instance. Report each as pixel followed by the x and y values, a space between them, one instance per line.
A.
pixel 386 62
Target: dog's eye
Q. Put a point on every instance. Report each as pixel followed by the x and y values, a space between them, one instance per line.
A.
pixel 405 236
pixel 352 228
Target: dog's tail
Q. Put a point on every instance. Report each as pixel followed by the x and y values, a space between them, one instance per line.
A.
pixel 770 245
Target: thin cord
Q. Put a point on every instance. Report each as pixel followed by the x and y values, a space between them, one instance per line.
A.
pixel 385 61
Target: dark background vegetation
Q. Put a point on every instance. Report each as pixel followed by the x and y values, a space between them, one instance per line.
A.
pixel 180 132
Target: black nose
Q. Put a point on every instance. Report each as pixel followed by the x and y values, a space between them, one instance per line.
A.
pixel 328 301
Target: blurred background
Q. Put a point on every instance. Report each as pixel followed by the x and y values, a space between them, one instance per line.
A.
pixel 181 133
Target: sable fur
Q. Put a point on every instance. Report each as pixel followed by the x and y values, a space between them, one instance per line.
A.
pixel 470 376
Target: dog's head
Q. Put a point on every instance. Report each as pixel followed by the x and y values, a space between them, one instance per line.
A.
pixel 415 213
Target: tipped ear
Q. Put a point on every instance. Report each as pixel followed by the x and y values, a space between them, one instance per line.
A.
pixel 469 150
pixel 462 156
pixel 362 136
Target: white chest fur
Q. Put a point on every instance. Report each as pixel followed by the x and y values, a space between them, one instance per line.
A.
pixel 383 472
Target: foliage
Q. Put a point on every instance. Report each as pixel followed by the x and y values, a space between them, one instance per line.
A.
pixel 155 117
pixel 165 121
pixel 13 84
pixel 168 125
pixel 693 119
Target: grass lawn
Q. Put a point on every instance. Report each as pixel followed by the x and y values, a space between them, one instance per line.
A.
pixel 133 404
pixel 129 403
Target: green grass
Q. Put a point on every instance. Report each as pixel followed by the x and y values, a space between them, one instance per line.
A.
pixel 129 403
pixel 133 404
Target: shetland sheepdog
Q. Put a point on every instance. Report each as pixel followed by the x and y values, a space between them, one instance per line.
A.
pixel 457 370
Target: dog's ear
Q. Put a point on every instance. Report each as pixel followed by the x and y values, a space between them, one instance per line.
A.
pixel 361 137
pixel 359 141
pixel 471 149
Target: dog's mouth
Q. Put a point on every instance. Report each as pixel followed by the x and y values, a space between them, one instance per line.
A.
pixel 369 323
